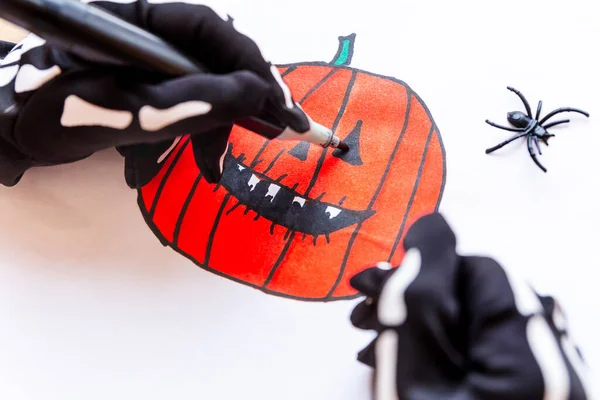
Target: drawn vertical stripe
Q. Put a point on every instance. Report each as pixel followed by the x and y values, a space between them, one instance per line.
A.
pixel 425 194
pixel 155 187
pixel 196 221
pixel 184 209
pixel 211 237
pixel 334 129
pixel 257 158
pixel 412 196
pixel 175 192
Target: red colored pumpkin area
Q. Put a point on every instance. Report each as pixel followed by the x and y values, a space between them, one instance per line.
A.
pixel 297 220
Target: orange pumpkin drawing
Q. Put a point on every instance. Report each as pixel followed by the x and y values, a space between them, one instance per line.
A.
pixel 296 220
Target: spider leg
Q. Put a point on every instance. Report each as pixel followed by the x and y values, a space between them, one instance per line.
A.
pixel 532 154
pixel 506 128
pixel 561 110
pixel 551 124
pixel 537 144
pixel 539 110
pixel 500 145
pixel 523 99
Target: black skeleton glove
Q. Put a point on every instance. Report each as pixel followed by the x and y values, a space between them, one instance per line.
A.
pixel 461 327
pixel 56 108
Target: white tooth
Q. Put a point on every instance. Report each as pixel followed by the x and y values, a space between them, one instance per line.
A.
pixel 332 211
pixel 299 200
pixel 241 168
pixel 273 189
pixel 253 181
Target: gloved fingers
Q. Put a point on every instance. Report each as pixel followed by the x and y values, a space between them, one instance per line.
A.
pixel 425 282
pixel 198 103
pixel 209 152
pixel 212 39
pixel 424 286
pixel 91 111
pixel 418 298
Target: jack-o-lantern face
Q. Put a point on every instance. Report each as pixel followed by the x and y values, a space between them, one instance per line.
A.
pixel 297 220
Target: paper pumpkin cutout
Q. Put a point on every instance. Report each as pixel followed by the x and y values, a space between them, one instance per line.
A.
pixel 294 219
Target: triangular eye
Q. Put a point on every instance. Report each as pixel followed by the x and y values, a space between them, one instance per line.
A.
pixel 300 151
pixel 352 156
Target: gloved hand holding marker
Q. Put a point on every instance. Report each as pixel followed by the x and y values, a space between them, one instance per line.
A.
pixel 224 81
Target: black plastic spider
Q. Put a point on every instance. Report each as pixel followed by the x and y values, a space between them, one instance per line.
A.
pixel 531 128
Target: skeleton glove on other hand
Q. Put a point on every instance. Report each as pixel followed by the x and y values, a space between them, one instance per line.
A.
pixel 460 327
pixel 56 108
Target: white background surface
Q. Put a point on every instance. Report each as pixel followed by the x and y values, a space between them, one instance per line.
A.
pixel 93 307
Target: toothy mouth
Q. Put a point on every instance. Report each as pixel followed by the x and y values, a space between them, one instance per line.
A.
pixel 283 205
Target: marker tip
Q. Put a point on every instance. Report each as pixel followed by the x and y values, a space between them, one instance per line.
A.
pixel 343 147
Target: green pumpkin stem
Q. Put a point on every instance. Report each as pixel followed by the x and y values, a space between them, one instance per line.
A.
pixel 345 50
